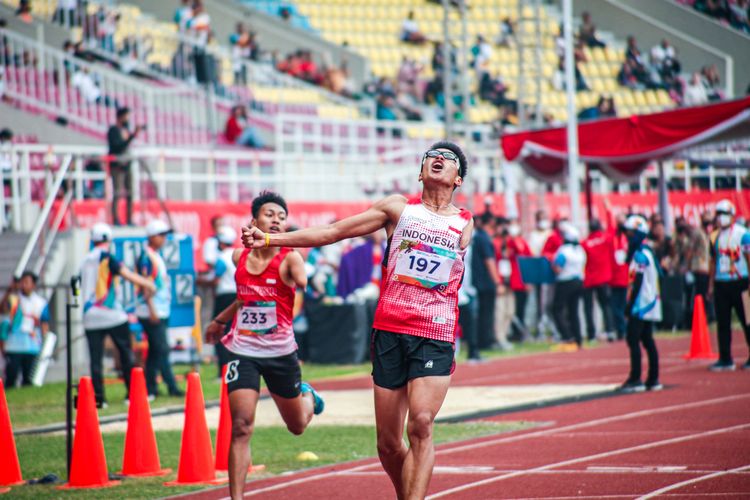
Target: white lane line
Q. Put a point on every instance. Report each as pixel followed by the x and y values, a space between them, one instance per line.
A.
pixel 588 458
pixel 482 444
pixel 693 481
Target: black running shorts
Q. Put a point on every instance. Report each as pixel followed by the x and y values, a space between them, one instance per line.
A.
pixel 398 358
pixel 282 374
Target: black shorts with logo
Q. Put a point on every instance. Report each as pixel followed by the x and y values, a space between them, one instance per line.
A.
pixel 282 374
pixel 398 358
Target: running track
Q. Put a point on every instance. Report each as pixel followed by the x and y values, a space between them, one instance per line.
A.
pixel 691 440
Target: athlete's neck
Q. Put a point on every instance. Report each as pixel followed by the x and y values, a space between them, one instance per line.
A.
pixel 266 253
pixel 438 201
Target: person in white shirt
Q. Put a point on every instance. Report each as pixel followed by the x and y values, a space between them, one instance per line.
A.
pixel 569 265
pixel 83 81
pixel 210 249
pixel 225 285
pixel 695 92
pixel 662 52
pixel 200 24
pixel 644 306
pixel 183 14
pixel 103 310
pixel 410 31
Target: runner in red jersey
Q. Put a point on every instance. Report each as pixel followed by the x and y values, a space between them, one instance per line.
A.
pixel 415 322
pixel 261 342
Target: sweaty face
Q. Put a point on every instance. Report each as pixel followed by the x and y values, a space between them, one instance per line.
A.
pixel 271 219
pixel 440 169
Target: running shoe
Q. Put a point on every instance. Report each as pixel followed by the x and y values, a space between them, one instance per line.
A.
pixel 653 387
pixel 632 387
pixel 319 404
pixel 722 366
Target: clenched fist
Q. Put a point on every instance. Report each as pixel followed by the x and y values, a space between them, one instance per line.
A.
pixel 252 237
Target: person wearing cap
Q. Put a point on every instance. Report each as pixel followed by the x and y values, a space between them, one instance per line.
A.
pixel 103 311
pixel 28 323
pixel 153 310
pixel 728 280
pixel 225 284
pixel 568 264
pixel 644 306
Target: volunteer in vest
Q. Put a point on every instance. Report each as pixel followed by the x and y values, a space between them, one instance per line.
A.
pixel 568 264
pixel 618 285
pixel 598 248
pixel 224 284
pixel 415 321
pixel 103 311
pixel 644 306
pixel 260 342
pixel 153 310
pixel 28 323
pixel 730 260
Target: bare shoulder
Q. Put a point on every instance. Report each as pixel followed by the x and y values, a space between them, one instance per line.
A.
pixel 293 258
pixel 392 205
pixel 236 255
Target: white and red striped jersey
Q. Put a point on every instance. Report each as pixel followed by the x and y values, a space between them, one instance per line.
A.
pixel 422 272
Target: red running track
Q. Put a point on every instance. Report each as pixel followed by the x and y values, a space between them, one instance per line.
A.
pixel 691 440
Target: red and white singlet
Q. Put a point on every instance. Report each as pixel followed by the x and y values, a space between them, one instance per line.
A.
pixel 422 274
pixel 262 327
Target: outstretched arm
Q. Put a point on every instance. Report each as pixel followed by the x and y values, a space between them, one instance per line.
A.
pixel 380 215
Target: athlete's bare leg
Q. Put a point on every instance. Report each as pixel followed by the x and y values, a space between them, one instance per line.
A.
pixel 242 405
pixel 426 396
pixel 390 412
pixel 296 412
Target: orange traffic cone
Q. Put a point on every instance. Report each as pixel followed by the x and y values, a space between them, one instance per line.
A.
pixel 196 461
pixel 141 456
pixel 700 344
pixel 224 431
pixel 10 471
pixel 88 468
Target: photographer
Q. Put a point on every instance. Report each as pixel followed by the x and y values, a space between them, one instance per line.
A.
pixel 119 138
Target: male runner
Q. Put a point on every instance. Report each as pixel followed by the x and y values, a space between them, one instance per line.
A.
pixel 413 331
pixel 261 341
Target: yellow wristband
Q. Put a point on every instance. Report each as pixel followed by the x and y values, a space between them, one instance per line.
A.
pixel 268 240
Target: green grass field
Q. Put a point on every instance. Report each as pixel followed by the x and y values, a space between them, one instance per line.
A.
pixel 274 447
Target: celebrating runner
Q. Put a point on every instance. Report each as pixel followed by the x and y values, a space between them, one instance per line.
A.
pixel 261 341
pixel 415 321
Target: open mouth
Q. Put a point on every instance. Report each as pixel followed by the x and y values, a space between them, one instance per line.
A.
pixel 437 166
pixel 274 229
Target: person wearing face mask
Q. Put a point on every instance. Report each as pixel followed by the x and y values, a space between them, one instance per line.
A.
pixel 568 264
pixel 504 301
pixel 518 247
pixel 618 285
pixel 644 306
pixel 728 280
pixel 599 250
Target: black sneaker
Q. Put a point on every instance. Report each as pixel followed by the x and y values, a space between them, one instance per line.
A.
pixel 632 387
pixel 722 366
pixel 653 387
pixel 178 393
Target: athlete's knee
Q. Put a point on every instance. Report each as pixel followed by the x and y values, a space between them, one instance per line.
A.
pixel 242 428
pixel 420 425
pixel 297 427
pixel 389 444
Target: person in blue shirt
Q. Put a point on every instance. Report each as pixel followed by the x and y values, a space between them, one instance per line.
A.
pixel 728 280
pixel 643 308
pixel 569 265
pixel 485 278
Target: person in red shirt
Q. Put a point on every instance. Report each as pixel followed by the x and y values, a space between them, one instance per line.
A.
pixel 518 247
pixel 618 284
pixel 238 131
pixel 599 252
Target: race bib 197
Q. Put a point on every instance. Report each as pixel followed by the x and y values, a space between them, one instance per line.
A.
pixel 257 318
pixel 423 265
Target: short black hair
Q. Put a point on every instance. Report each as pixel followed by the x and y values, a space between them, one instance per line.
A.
pixel 267 197
pixel 122 112
pixel 485 218
pixel 463 165
pixel 30 274
pixel 6 134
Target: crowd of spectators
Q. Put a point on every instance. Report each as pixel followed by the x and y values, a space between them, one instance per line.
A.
pixel 735 13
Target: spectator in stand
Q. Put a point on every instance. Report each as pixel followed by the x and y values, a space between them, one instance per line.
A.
pixel 695 92
pixel 86 85
pixel 482 53
pixel 240 41
pixel 27 324
pixel 507 36
pixel 730 261
pixel 6 162
pixel 183 14
pixel 239 131
pixel 199 25
pixel 24 11
pixel 739 10
pixel 493 89
pixel 599 250
pixel 662 53
pixel 504 300
pixel 587 32
pixel 67 13
pixel 644 307
pixel 153 310
pixel 569 263
pixel 103 312
pixel 386 108
pixel 486 278
pixel 336 79
pixel 666 67
pixel 410 31
pixel 712 82
pixel 308 69
pixel 558 78
pixel 605 108
pixel 408 77
pixel 714 8
pixel 119 138
pixel 618 285
pixel 518 247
